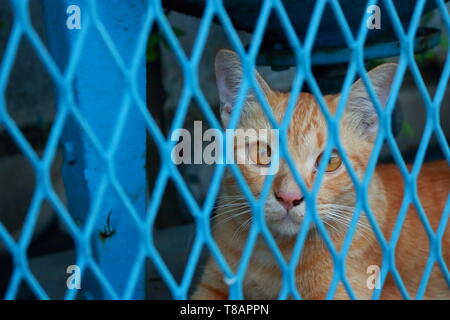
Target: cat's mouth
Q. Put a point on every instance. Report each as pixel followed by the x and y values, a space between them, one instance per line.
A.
pixel 286 222
pixel 288 217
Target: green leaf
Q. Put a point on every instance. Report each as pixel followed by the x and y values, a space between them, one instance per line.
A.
pixel 156 39
pixel 427 18
pixel 153 55
pixel 152 47
pixel 178 32
pixel 408 129
pixel 374 63
pixel 444 42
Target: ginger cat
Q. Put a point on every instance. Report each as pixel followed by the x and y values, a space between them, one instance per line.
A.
pixel 285 208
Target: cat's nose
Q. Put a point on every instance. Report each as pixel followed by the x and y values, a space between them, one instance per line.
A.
pixel 289 199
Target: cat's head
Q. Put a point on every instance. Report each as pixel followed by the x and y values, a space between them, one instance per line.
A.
pixel 307 137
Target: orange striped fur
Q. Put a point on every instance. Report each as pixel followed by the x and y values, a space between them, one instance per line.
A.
pixel 307 137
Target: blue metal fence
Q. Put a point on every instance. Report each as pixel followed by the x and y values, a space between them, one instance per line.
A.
pixel 101 123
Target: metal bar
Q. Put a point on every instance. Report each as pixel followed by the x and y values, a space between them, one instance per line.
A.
pixel 102 97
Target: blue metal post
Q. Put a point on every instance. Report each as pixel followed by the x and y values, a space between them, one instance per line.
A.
pixel 99 88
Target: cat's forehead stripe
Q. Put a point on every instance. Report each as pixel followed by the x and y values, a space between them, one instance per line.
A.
pixel 307 120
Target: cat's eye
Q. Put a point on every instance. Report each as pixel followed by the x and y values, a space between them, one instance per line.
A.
pixel 260 153
pixel 333 164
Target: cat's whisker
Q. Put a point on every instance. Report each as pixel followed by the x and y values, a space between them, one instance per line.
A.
pixel 229 202
pixel 349 220
pixel 222 222
pixel 342 215
pixel 232 216
pixel 338 207
pixel 360 222
pixel 229 217
pixel 362 232
pixel 242 228
pixel 230 210
pixel 331 226
pixel 229 205
pixel 230 197
pixel 225 199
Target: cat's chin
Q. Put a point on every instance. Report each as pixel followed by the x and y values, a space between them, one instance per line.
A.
pixel 285 227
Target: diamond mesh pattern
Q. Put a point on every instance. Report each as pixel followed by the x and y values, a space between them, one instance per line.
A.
pixel 154 15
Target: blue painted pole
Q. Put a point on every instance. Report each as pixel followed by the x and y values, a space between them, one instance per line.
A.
pixel 99 89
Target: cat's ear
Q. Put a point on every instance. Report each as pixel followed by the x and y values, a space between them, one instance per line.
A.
pixel 229 77
pixel 360 112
